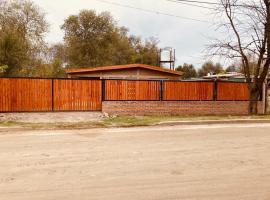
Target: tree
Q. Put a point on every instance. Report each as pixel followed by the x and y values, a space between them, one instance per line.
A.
pixel 247 24
pixel 12 50
pixel 57 52
pixel 22 29
pixel 210 68
pixel 232 68
pixel 145 53
pixel 122 51
pixel 238 66
pixel 188 69
pixel 89 38
pixel 95 40
pixel 53 69
pixel 3 70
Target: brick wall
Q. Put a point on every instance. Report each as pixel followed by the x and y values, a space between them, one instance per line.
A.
pixel 176 107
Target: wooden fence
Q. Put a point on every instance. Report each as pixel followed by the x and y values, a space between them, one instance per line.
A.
pixel 32 95
pixel 125 90
pixel 121 90
pixel 78 95
pixel 18 95
pixel 232 91
pixel 188 91
pixel 28 95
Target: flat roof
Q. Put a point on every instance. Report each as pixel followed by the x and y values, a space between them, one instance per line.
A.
pixel 118 67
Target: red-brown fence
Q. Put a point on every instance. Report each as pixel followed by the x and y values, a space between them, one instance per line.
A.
pixel 188 91
pixel 228 91
pixel 132 90
pixel 23 94
pixel 18 95
pixel 30 95
pixel 137 90
pixel 77 95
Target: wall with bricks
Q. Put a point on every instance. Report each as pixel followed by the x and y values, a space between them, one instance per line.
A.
pixel 141 108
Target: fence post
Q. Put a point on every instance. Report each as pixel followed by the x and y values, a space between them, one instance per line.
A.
pixel 52 95
pixel 264 97
pixel 215 92
pixel 161 90
pixel 103 88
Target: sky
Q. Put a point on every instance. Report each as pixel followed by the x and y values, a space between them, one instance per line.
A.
pixel 188 37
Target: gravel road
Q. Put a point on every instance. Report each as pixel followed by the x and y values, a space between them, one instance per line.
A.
pixel 223 162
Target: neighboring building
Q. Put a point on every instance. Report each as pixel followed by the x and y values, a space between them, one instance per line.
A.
pixel 131 71
pixel 230 76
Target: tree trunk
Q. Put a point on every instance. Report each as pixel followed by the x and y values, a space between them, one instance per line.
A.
pixel 255 90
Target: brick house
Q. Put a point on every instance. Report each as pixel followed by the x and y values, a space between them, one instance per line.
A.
pixel 131 71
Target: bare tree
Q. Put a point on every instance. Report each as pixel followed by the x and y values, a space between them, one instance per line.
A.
pixel 247 28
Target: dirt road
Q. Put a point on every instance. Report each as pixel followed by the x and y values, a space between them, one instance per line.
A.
pixel 155 163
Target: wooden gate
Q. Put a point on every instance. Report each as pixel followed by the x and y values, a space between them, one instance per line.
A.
pixel 25 95
pixel 76 95
pixel 39 95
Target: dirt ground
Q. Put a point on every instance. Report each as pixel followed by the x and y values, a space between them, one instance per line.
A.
pixel 228 162
pixel 50 117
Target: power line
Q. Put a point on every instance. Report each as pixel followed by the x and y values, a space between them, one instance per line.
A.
pixel 212 3
pixel 199 2
pixel 190 4
pixel 151 11
pixel 210 8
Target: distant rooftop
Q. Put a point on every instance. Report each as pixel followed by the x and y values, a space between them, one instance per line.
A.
pixel 227 75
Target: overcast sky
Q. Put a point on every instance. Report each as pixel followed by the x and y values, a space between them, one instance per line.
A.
pixel 188 37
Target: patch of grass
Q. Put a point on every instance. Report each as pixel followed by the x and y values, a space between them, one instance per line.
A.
pixel 152 120
pixel 9 124
pixel 124 122
pixel 79 125
pixel 131 121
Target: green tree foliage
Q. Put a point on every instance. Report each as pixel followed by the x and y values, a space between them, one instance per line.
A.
pixel 11 49
pixel 188 69
pixel 95 40
pixel 210 67
pixel 57 52
pixel 145 53
pixel 22 28
pixel 3 70
pixel 90 40
pixel 51 70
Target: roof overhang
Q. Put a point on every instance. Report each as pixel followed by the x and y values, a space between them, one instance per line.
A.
pixel 121 67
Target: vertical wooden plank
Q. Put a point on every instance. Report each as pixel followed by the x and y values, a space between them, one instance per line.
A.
pixel 228 91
